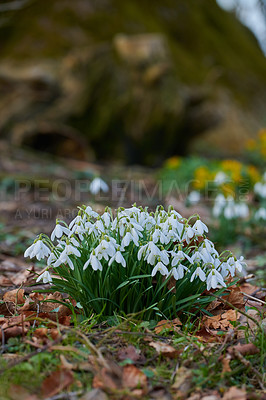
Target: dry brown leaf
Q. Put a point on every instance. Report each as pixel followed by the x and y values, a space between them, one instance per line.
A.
pixel 133 377
pixel 13 327
pixel 15 296
pixel 226 364
pixel 165 349
pixel 7 309
pixel 4 281
pixel 131 353
pixel 23 277
pixel 207 335
pixel 95 394
pixel 244 349
pixel 248 288
pixel 13 331
pixel 236 298
pixel 114 377
pixel 166 324
pixel 234 393
pixel 17 392
pixel 221 321
pixel 56 382
pixel 182 382
pixel 108 377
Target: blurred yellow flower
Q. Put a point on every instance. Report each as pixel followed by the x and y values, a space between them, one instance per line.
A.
pixel 173 162
pixel 234 167
pixel 228 189
pixel 253 173
pixel 202 175
pixel 262 135
pixel 251 144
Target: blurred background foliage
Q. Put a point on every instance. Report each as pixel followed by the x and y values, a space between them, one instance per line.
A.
pixel 129 81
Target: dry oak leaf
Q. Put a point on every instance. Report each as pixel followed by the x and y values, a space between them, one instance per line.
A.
pixel 15 296
pixel 165 349
pixel 17 392
pixel 133 377
pixel 109 377
pixel 182 382
pixel 167 324
pixel 235 394
pixel 13 327
pixel 248 288
pixel 244 349
pixel 131 353
pixel 226 364
pixel 236 298
pixel 56 382
pixel 221 321
pixel 208 335
pixel 117 378
pixel 24 277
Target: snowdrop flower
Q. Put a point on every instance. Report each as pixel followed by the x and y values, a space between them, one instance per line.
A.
pixel 179 272
pixel 153 253
pixel 94 262
pixel 159 235
pixel 200 227
pixel 179 256
pixel 70 249
pixel 38 249
pixel 260 214
pixel 59 231
pixel 106 249
pixel 64 259
pixel 241 210
pixel 51 259
pixel 196 257
pixel 260 189
pixel 161 268
pixel 189 234
pixel 118 258
pixel 98 185
pixel 198 273
pixel 220 178
pixel 213 279
pixel 206 255
pixel 76 222
pixel 89 211
pixel 127 239
pixel 239 264
pixel 45 276
pixel 142 250
pixel 229 211
pixel 193 197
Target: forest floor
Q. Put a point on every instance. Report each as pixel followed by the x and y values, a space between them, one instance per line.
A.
pixel 49 352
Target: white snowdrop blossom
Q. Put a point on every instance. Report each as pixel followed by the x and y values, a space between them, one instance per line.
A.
pixel 213 279
pixel 260 214
pixel 200 227
pixel 118 257
pixel 38 249
pixel 193 197
pixel 45 277
pixel 229 209
pixel 161 268
pixel 59 231
pixel 156 243
pixel 97 185
pixel 220 178
pixel 200 273
pixel 260 189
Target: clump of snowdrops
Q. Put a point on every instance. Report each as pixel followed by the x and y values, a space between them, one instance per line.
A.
pixel 153 264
